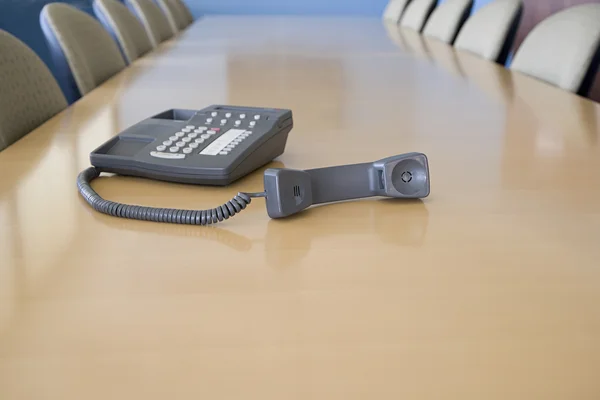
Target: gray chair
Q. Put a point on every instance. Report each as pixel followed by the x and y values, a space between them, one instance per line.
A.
pixel 124 28
pixel 174 13
pixel 29 95
pixel 447 19
pixel 416 14
pixel 491 31
pixel 394 10
pixel 564 49
pixel 154 21
pixel 86 55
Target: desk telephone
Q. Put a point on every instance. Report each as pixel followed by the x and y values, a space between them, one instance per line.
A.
pixel 220 144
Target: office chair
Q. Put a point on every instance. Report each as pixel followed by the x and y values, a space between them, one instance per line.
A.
pixel 154 21
pixel 124 27
pixel 84 53
pixel 564 49
pixel 173 12
pixel 394 10
pixel 447 19
pixel 417 13
pixel 491 31
pixel 29 95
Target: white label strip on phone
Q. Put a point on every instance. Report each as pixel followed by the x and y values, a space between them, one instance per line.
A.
pixel 222 141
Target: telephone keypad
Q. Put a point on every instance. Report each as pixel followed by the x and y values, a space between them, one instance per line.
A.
pixel 191 137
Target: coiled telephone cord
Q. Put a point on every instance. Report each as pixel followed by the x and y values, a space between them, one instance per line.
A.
pixel 168 215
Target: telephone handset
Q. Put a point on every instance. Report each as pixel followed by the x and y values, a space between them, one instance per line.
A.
pixel 220 144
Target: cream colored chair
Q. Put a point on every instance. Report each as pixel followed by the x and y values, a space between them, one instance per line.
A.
pixel 490 32
pixel 84 52
pixel 185 11
pixel 417 13
pixel 124 28
pixel 173 12
pixel 29 95
pixel 447 19
pixel 394 10
pixel 564 49
pixel 155 22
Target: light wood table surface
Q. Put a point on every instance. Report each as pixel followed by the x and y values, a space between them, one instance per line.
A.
pixel 487 289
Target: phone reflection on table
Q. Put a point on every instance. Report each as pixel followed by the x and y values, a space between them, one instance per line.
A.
pixel 393 221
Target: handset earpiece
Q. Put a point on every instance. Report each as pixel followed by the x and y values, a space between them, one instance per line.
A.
pixel 290 191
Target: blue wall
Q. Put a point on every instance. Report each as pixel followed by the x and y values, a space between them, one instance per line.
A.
pixel 294 7
pixel 21 17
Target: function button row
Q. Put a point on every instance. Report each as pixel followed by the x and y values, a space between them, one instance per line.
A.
pixel 214 114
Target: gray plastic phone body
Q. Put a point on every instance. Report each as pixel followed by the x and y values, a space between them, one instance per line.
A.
pixel 131 151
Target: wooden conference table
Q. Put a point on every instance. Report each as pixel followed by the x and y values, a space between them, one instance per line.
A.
pixel 488 289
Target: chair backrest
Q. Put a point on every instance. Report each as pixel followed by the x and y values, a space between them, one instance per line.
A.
pixel 394 10
pixel 84 52
pixel 564 49
pixel 185 11
pixel 29 95
pixel 124 28
pixel 173 12
pixel 447 19
pixel 417 13
pixel 490 32
pixel 154 21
